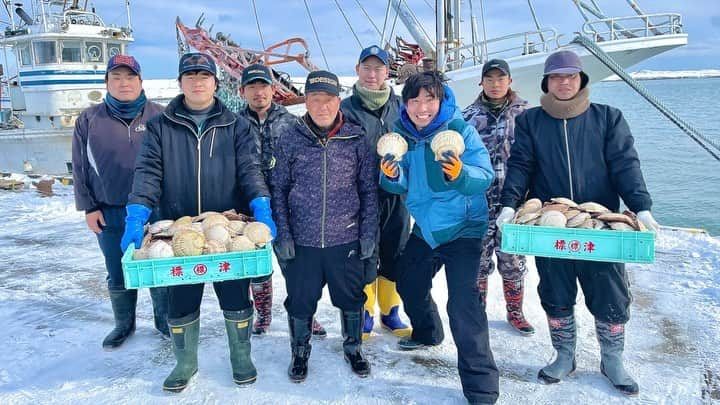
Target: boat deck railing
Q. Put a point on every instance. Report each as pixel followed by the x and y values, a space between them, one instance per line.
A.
pixel 519 43
pixel 638 26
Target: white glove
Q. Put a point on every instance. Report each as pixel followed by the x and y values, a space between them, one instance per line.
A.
pixel 506 215
pixel 647 219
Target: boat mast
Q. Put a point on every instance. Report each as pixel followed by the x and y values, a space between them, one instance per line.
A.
pixel 440 35
pixel 127 10
pixel 412 26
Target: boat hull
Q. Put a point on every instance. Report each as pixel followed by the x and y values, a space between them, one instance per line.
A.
pixel 527 70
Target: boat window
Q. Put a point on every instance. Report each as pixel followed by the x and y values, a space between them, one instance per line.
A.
pixel 114 48
pixel 45 52
pixel 93 51
pixel 25 54
pixel 71 51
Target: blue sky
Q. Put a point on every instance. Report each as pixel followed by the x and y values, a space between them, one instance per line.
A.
pixel 155 45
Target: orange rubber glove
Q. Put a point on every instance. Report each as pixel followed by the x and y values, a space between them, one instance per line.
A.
pixel 451 165
pixel 389 166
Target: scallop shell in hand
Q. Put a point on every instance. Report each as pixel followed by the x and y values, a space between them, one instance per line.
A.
pixel 392 143
pixel 446 141
pixel 188 242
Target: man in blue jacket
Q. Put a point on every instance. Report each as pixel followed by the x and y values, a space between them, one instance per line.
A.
pixel 198 156
pixel 447 200
pixel 325 202
pixel 105 144
pixel 570 147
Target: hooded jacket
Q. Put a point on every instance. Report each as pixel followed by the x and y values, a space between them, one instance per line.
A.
pixel 443 210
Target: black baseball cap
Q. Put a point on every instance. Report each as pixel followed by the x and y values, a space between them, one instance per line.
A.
pixel 498 64
pixel 322 80
pixel 256 72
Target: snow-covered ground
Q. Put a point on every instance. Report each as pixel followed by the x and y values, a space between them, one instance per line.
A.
pixel 54 313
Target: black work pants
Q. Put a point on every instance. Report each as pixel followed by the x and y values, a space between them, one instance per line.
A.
pixel 468 322
pixel 186 299
pixel 312 268
pixel 605 285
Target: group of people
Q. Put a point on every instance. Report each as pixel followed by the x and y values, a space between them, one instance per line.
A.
pixel 341 215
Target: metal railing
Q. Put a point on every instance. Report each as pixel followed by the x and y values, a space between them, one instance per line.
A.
pixel 646 25
pixel 520 43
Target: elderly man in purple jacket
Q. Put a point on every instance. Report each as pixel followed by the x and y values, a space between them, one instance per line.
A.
pixel 324 196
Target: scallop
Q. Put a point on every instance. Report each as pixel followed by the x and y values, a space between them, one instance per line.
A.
pixel 593 208
pixel 215 219
pixel 578 220
pixel 180 223
pixel 615 217
pixel 240 244
pixel 446 141
pixel 204 215
pixel 562 200
pixel 159 226
pixel 140 254
pixel 526 218
pixel 392 143
pixel 621 226
pixel 237 227
pixel 159 249
pixel 561 208
pixel 553 218
pixel 213 247
pixel 218 233
pixel 258 233
pixel 531 205
pixel 188 242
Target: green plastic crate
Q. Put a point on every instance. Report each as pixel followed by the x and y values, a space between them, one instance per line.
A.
pixel 195 269
pixel 580 244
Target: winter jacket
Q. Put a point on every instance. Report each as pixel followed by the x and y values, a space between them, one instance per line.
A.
pixel 104 148
pixel 267 133
pixel 497 131
pixel 589 157
pixel 324 192
pixel 374 123
pixel 184 170
pixel 443 210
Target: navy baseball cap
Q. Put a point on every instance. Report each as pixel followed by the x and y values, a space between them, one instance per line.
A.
pixel 256 72
pixel 123 60
pixel 563 62
pixel 375 51
pixel 322 80
pixel 498 64
pixel 196 61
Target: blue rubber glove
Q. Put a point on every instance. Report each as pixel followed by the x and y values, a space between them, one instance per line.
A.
pixel 137 216
pixel 262 212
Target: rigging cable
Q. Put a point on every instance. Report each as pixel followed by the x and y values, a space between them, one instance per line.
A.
pixel 387 14
pixel 368 16
pixel 257 22
pixel 317 37
pixel 397 13
pixel 348 24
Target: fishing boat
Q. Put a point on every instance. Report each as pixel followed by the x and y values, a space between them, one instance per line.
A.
pixel 60 49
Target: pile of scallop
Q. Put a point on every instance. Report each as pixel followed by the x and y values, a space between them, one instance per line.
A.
pixel 208 233
pixel 565 213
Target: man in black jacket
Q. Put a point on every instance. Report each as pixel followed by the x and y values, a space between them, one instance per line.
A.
pixel 374 106
pixel 267 121
pixel 105 144
pixel 570 147
pixel 198 156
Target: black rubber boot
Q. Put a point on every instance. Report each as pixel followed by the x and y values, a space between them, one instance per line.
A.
pixel 185 334
pixel 123 305
pixel 238 325
pixel 300 332
pixel 159 297
pixel 352 323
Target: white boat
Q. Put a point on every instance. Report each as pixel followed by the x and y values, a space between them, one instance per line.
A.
pixel 60 54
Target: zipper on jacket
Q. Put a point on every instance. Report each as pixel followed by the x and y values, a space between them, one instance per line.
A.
pixel 199 146
pixel 567 152
pixel 324 198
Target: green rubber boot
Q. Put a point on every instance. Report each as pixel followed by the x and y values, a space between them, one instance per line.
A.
pixel 185 333
pixel 239 327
